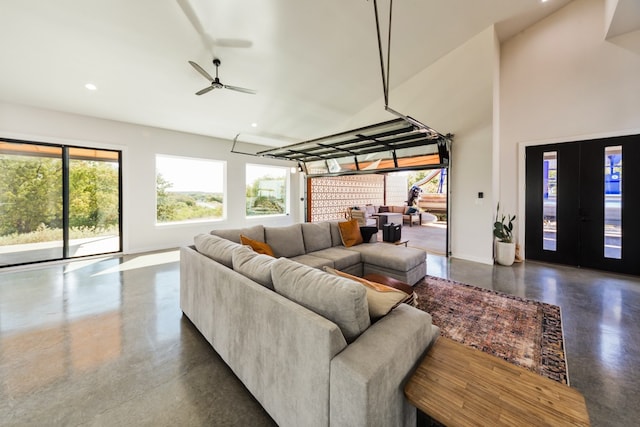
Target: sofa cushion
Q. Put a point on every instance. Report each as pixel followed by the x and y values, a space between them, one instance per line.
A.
pixel 383 209
pixel 340 300
pixel 313 261
pixel 316 236
pixel 285 241
pixel 217 248
pixel 258 247
pixel 256 233
pixel 341 257
pixel 381 299
pixel 336 237
pixel 350 232
pixel 391 256
pixel 256 267
pixel 397 209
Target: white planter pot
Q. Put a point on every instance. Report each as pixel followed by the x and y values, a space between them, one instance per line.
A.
pixel 505 253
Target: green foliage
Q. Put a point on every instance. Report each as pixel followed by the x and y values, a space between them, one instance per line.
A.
pixel 503 226
pixel 179 206
pixel 428 187
pixel 31 195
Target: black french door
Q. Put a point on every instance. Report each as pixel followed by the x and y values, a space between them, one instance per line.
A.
pixel 583 204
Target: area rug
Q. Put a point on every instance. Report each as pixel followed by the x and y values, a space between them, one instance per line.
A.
pixel 524 332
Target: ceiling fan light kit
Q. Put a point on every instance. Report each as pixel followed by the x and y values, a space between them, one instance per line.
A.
pixel 215 82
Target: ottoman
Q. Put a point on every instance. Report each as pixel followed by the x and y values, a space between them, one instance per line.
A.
pixel 407 265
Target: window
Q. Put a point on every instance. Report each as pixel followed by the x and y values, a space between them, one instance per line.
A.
pixel 57 202
pixel 189 189
pixel 613 202
pixel 549 200
pixel 267 190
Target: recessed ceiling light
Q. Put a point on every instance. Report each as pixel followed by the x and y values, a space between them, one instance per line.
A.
pixel 254 125
pixel 91 86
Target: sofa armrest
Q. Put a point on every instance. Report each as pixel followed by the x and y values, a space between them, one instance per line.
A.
pixel 368 377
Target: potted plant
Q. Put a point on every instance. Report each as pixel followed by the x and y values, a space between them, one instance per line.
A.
pixel 503 232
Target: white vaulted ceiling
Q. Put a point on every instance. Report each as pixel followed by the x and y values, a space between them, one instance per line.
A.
pixel 314 64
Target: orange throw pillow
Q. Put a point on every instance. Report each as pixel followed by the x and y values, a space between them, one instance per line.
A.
pixel 350 233
pixel 259 247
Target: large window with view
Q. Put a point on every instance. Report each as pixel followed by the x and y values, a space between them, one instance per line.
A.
pixel 57 202
pixel 267 190
pixel 189 189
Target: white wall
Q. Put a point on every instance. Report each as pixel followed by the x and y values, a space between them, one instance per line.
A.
pixel 455 95
pixel 562 81
pixel 139 145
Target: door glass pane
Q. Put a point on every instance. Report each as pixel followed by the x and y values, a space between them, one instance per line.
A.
pixel 613 202
pixel 94 200
pixel 549 200
pixel 30 203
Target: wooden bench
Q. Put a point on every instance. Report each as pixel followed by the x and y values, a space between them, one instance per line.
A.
pixel 457 385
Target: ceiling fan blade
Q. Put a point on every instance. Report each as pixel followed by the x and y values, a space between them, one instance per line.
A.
pixel 201 71
pixel 207 40
pixel 240 89
pixel 205 90
pixel 239 43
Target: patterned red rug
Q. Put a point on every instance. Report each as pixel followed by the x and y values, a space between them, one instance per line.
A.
pixel 523 332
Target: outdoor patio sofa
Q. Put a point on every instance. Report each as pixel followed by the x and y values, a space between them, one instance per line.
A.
pixel 300 339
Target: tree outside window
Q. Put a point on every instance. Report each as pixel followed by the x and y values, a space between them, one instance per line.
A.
pixel 189 189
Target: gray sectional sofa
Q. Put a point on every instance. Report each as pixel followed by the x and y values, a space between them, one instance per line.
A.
pixel 300 339
pixel 319 244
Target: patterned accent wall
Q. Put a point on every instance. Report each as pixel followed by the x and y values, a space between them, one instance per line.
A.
pixel 331 196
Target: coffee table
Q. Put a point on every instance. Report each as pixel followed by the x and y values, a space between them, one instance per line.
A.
pixel 458 385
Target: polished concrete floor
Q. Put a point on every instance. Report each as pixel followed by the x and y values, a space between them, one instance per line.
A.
pixel 103 342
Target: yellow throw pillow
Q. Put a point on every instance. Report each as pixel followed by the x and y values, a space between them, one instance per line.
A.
pixel 381 298
pixel 259 247
pixel 350 233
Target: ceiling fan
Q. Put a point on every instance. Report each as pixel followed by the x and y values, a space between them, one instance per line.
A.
pixel 215 83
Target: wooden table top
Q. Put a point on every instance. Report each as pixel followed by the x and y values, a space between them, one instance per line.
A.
pixel 461 386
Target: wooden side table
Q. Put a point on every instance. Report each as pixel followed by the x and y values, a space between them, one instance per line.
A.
pixel 458 385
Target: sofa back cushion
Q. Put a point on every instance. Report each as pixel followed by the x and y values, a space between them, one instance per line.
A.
pixel 340 300
pixel 217 248
pixel 317 236
pixel 256 267
pixel 285 241
pixel 397 209
pixel 336 237
pixel 256 233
